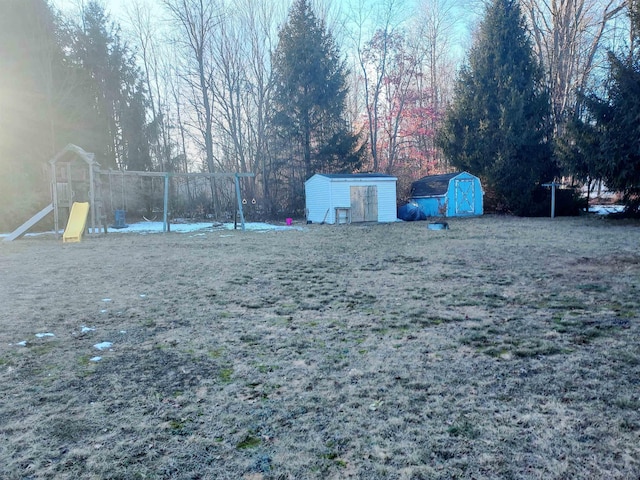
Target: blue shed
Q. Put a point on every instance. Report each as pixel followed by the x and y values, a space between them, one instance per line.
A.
pixel 450 195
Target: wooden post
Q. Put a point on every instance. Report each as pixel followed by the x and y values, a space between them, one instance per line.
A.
pixel 54 190
pixel 92 199
pixel 165 225
pixel 238 199
pixel 72 195
pixel 553 196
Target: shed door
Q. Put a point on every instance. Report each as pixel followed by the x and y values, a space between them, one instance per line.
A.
pixel 364 204
pixel 464 196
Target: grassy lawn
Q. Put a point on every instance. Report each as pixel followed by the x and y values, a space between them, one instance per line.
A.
pixel 501 348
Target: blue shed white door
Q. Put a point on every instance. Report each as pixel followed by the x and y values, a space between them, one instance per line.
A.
pixel 464 196
pixel 364 203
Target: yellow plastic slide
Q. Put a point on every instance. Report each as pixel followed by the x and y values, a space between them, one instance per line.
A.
pixel 77 222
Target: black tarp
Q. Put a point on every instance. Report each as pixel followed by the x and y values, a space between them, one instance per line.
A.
pixel 411 212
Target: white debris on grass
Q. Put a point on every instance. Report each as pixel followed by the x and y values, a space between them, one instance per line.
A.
pixel 103 311
pixel 23 343
pixel 85 329
pixel 123 332
pixel 95 359
pixel 42 335
pixel 106 300
pixel 103 345
pixel 143 295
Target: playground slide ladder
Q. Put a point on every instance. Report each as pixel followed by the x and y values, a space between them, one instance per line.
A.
pixel 22 229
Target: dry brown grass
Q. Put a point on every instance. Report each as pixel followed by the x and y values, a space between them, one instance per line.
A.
pixel 502 348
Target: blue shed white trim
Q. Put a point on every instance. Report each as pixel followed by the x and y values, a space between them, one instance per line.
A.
pixel 457 194
pixel 351 198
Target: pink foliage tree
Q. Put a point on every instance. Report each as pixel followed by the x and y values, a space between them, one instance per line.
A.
pixel 400 109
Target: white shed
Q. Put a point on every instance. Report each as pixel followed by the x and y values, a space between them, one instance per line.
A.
pixel 350 198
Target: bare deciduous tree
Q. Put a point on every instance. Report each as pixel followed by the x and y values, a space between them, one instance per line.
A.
pixel 380 21
pixel 154 66
pixel 567 36
pixel 198 20
pixel 438 24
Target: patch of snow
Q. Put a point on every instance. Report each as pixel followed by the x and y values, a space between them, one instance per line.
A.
pixel 86 329
pixel 106 300
pixel 143 295
pixel 144 228
pixel 103 345
pixel 95 359
pixel 157 227
pixel 23 343
pixel 42 335
pixel 606 209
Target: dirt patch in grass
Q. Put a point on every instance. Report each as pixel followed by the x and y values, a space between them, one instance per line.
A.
pixel 501 348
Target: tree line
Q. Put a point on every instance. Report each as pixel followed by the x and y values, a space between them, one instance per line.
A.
pixel 530 107
pixel 249 85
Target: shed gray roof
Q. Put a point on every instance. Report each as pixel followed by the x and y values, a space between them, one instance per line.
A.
pixel 356 175
pixel 432 185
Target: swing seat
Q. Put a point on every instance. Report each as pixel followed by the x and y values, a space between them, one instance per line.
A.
pixel 120 219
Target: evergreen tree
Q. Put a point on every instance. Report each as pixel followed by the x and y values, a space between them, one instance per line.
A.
pixel 62 86
pixel 113 88
pixel 613 121
pixel 498 126
pixel 34 106
pixel 309 97
pixel 579 151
